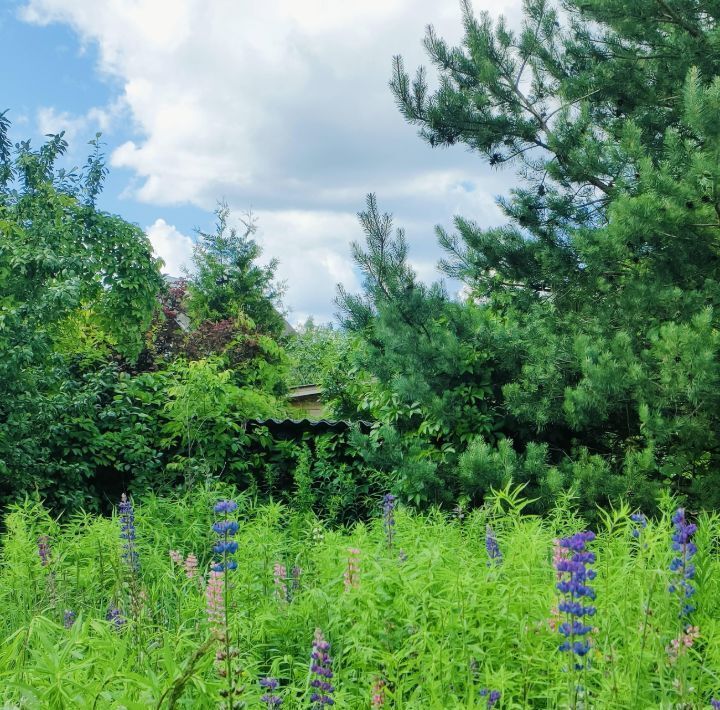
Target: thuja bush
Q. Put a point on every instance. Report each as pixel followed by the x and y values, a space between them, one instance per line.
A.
pixel 207 600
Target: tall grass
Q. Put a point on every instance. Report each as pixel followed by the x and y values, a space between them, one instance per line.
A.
pixel 427 619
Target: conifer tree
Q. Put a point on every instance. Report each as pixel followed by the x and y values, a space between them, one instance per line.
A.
pixel 606 272
pixel 227 281
pixel 433 364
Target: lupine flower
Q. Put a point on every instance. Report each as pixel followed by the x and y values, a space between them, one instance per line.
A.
pixel 43 544
pixel 641 523
pixel 225 529
pixel 270 684
pixel 296 574
pixel 492 696
pixel 554 620
pixel 223 547
pixel 225 506
pixel 575 590
pixel 191 564
pixel 559 554
pixel 68 618
pixel 378 693
pixel 389 517
pixel 127 532
pixel 402 556
pixel 215 598
pixel 492 547
pixel 222 566
pixel 176 557
pixel 321 668
pixel 114 615
pixel 681 566
pixel 680 645
pixel 279 582
pixel 216 594
pixel 715 704
pixel 352 571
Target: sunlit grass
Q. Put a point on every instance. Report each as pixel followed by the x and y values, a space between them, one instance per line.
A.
pixel 428 615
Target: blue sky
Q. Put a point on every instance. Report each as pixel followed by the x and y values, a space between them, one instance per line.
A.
pixel 52 68
pixel 280 107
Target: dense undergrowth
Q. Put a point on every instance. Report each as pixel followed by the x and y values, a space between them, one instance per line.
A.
pixel 427 619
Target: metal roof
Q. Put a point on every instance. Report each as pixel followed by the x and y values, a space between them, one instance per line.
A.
pixel 306 424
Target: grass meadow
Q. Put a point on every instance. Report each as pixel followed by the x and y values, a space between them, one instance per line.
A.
pixel 420 611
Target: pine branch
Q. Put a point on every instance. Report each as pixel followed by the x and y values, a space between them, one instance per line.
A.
pixel 675 19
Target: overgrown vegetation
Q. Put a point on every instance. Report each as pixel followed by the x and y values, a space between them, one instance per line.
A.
pixel 583 355
pixel 424 611
pixel 586 351
pixel 113 379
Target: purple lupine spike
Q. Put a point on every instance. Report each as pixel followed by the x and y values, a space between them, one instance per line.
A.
pixel 225 506
pixel 321 668
pixel 640 523
pixel 127 533
pixel 715 703
pixel 69 618
pixel 114 615
pixel 493 696
pixel 269 698
pixel 389 517
pixel 225 529
pixel 43 544
pixel 573 573
pixel 681 566
pixel 492 547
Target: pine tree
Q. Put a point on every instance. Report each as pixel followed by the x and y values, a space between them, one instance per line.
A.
pixel 227 281
pixel 432 364
pixel 606 273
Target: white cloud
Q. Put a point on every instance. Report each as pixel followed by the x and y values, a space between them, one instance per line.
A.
pixel 173 247
pixel 282 106
pixel 50 120
pixel 313 250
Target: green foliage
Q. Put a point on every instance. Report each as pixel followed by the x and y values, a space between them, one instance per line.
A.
pixel 326 472
pixel 432 364
pixel 591 322
pixel 325 356
pixel 82 417
pixel 206 411
pixel 483 467
pixel 75 284
pixel 225 280
pixel 436 624
pixel 59 256
pixel 317 352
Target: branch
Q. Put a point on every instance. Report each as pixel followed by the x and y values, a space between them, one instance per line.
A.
pixel 677 20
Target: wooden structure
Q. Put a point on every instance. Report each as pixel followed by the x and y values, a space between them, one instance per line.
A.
pixel 306 400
